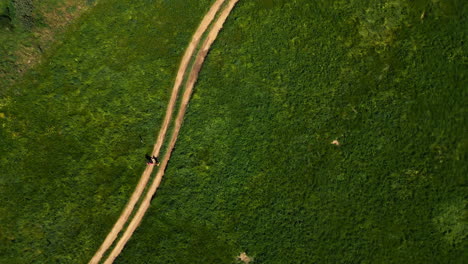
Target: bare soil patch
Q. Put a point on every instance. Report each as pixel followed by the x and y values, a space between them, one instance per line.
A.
pixel 244 258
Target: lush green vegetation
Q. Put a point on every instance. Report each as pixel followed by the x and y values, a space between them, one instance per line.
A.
pixel 70 152
pixel 254 169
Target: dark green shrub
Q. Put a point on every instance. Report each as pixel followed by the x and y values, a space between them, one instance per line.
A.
pixel 5 16
pixel 5 22
pixel 22 13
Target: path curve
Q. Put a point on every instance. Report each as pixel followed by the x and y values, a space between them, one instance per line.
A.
pixel 116 229
pixel 180 116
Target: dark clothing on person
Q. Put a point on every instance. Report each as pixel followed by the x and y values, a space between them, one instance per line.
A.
pixel 148 157
pixel 155 159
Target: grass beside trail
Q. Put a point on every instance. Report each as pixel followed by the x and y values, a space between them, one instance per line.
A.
pixel 254 169
pixel 70 152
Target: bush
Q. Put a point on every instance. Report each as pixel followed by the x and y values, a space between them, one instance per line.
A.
pixel 5 16
pixel 22 12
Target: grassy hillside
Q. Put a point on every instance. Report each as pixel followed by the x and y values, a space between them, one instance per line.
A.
pixel 70 151
pixel 254 169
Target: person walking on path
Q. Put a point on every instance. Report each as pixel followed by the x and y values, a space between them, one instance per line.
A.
pixel 149 159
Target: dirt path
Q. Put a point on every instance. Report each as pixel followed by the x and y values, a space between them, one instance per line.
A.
pixel 180 117
pixel 116 229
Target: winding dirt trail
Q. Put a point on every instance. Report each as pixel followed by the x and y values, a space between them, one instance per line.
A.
pixel 117 228
pixel 180 117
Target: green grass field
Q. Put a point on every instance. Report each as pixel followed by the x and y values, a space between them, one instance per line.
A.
pixel 70 152
pixel 254 169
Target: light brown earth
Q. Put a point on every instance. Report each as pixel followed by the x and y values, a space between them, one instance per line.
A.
pixel 180 116
pixel 207 20
pixel 244 258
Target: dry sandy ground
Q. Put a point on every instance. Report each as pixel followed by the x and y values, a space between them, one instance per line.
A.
pixel 244 258
pixel 180 116
pixel 209 17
